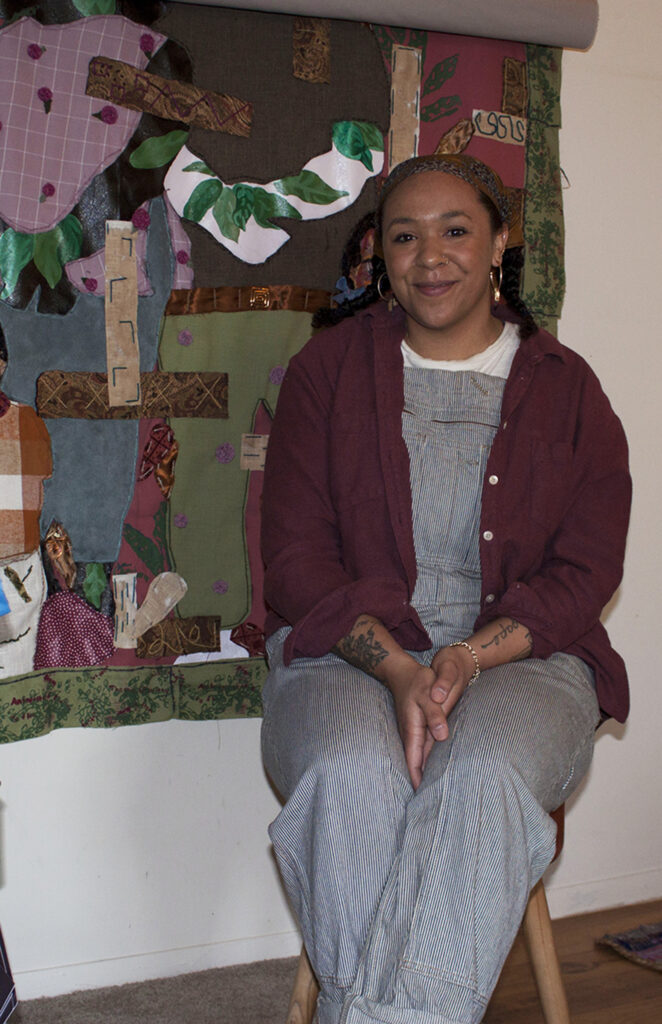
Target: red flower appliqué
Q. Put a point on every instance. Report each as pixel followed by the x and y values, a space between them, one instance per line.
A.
pixel 141 220
pixel 46 96
pixel 147 44
pixel 107 114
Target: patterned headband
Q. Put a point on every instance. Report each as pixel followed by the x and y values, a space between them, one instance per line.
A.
pixel 469 169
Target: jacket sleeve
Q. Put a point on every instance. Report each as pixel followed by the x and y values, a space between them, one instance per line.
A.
pixel 563 592
pixel 306 583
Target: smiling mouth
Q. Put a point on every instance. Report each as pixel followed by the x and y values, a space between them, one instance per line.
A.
pixel 434 288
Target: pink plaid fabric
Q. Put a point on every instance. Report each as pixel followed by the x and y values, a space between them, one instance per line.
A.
pixel 25 460
pixel 50 149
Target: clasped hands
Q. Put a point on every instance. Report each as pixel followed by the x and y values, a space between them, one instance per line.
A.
pixel 424 698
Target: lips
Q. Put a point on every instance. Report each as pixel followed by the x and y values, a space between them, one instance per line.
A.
pixel 433 289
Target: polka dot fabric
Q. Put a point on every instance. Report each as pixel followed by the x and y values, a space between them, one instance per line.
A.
pixel 72 634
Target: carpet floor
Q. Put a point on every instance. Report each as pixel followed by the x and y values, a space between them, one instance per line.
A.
pixel 247 994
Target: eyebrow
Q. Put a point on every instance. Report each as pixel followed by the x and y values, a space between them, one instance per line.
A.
pixel 449 215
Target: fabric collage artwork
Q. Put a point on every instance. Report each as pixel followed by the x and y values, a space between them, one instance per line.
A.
pixel 161 613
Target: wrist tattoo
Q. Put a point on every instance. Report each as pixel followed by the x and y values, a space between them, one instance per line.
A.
pixel 506 629
pixel 360 648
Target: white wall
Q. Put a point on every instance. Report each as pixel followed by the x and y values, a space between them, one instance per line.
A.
pixel 143 851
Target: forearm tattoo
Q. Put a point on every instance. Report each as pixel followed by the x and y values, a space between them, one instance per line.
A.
pixel 360 648
pixel 506 628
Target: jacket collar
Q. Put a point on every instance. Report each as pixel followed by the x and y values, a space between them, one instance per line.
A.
pixel 390 327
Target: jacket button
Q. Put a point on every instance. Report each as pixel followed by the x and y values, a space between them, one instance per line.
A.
pixel 489 598
pixel 494 479
pixel 488 535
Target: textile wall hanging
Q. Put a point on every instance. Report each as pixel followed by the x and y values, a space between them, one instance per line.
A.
pixel 231 180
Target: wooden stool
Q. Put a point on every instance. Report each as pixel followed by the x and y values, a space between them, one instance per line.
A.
pixel 537 928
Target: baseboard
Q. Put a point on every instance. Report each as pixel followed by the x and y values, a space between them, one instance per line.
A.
pixel 56 981
pixel 564 900
pixel 600 894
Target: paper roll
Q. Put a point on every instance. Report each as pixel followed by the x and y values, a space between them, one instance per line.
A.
pixel 571 23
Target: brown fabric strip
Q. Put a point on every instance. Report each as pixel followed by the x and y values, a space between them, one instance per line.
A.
pixel 79 395
pixel 173 637
pixel 240 300
pixel 120 83
pixel 515 91
pixel 311 49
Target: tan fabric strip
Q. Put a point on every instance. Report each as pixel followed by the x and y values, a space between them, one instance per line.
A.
pixel 183 301
pixel 81 395
pixel 311 49
pixel 173 637
pixel 121 311
pixel 120 83
pixel 405 104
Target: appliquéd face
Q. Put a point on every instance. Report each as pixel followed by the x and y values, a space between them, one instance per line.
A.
pixel 439 246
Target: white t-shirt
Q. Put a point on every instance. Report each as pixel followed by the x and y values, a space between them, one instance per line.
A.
pixel 495 360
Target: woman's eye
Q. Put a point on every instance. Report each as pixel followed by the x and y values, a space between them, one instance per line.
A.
pixel 404 236
pixel 457 232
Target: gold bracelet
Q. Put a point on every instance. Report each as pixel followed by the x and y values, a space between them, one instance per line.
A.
pixel 463 643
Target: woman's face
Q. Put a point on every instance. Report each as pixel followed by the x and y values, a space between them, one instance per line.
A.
pixel 439 246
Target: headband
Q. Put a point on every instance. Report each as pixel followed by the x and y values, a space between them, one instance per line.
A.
pixel 469 169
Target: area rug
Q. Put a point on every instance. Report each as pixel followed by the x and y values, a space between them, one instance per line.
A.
pixel 642 945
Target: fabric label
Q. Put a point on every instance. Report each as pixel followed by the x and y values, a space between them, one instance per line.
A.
pixel 494 124
pixel 253 451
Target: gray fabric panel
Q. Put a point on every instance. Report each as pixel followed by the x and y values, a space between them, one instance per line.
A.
pixel 94 462
pixel 251 58
pixel 550 22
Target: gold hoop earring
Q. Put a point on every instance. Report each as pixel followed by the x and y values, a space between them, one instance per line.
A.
pixel 496 285
pixel 382 277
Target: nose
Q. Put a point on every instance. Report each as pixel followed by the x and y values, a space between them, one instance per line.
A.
pixel 431 253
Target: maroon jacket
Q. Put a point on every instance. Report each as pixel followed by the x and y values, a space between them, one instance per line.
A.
pixel 337 532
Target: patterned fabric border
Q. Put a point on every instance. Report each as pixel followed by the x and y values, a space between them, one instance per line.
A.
pixel 184 301
pixel 80 395
pixel 105 697
pixel 543 281
pixel 130 87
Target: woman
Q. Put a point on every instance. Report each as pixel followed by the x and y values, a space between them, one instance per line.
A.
pixel 445 508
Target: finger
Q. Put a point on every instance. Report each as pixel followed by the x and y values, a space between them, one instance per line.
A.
pixel 427 747
pixel 414 759
pixel 436 721
pixel 448 676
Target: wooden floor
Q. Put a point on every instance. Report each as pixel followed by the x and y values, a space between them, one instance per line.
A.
pixel 602 987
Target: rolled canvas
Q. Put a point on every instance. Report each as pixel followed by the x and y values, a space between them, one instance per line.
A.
pixel 569 23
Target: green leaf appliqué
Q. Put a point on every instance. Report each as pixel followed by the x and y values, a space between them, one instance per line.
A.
pixel 16 251
pixel 308 186
pixel 348 138
pixel 244 195
pixel 159 150
pixel 46 256
pixel 442 107
pixel 94 583
pixel 440 73
pixel 88 7
pixel 200 166
pixel 267 205
pixel 202 198
pixel 223 211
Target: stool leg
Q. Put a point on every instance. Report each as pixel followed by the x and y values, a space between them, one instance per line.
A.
pixel 304 994
pixel 540 941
